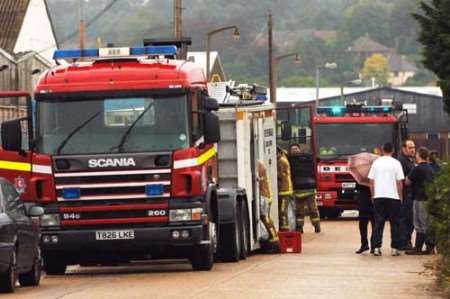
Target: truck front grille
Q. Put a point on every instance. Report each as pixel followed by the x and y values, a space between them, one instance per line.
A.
pixel 107 185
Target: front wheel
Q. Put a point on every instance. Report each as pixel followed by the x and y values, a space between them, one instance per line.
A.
pixel 202 257
pixel 33 277
pixel 9 278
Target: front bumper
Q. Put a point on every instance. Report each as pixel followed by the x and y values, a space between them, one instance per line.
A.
pixel 341 198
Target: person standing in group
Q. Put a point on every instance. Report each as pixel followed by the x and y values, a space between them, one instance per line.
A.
pixel 285 191
pixel 386 186
pixel 304 196
pixel 419 177
pixel 406 219
pixel 265 193
pixel 365 216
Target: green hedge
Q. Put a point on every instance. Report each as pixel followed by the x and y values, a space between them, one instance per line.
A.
pixel 439 209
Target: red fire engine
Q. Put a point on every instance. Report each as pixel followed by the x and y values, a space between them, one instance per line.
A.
pixel 122 155
pixel 341 131
pixel 327 137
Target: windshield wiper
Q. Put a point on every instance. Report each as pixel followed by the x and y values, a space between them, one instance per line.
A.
pixel 128 131
pixel 76 130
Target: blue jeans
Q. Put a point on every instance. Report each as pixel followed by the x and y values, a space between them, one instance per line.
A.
pixel 386 209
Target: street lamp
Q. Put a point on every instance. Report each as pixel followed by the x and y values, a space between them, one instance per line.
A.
pixel 236 36
pixel 327 65
pixel 276 60
pixel 350 82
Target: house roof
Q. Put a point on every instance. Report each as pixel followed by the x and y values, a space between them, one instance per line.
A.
pixel 366 44
pixel 12 14
pixel 398 63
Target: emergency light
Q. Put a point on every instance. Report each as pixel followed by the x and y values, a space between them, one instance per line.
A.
pixel 71 193
pixel 116 52
pixel 339 110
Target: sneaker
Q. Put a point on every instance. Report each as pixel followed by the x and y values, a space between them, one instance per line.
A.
pixel 362 249
pixel 377 252
pixel 395 252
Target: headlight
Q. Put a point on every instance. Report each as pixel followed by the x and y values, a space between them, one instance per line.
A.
pixel 50 220
pixel 180 215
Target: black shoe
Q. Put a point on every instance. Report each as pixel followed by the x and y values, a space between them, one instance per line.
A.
pixel 372 250
pixel 317 229
pixel 407 247
pixel 362 249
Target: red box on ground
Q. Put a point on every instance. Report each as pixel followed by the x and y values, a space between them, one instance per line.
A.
pixel 290 242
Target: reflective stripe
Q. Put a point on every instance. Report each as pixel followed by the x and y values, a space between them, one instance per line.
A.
pixel 24 166
pixel 195 161
pixel 21 166
pixel 42 169
pixel 284 193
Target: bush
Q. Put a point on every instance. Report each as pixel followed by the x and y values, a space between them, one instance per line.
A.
pixel 439 209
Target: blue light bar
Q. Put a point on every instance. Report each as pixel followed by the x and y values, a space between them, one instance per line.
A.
pixel 116 52
pixel 154 190
pixel 340 110
pixel 71 193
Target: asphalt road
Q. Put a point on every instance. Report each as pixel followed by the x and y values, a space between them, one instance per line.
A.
pixel 327 268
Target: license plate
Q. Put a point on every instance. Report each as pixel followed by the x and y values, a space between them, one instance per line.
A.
pixel 114 235
pixel 348 185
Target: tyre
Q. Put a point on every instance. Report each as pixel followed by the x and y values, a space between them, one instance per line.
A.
pixel 244 229
pixel 230 241
pixel 202 257
pixel 9 278
pixel 330 213
pixel 54 266
pixel 33 277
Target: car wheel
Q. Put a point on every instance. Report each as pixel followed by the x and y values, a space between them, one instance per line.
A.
pixel 245 231
pixel 33 277
pixel 202 258
pixel 9 278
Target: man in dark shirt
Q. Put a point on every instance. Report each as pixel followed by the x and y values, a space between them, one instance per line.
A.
pixel 419 177
pixel 406 218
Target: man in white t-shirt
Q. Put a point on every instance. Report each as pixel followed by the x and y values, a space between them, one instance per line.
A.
pixel 386 176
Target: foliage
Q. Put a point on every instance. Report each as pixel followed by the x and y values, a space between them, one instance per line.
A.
pixel 439 209
pixel 376 66
pixel 128 22
pixel 435 36
pixel 421 78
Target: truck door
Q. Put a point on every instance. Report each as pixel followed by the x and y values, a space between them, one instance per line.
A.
pixel 16 135
pixel 294 127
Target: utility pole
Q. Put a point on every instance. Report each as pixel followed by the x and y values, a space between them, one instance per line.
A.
pixel 82 27
pixel 270 57
pixel 177 18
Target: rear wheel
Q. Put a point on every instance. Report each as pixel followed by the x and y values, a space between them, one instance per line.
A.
pixel 9 278
pixel 244 229
pixel 230 240
pixel 54 266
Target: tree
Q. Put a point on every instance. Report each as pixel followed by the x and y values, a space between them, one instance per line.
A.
pixel 376 66
pixel 434 34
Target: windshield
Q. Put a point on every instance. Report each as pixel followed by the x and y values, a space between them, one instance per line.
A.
pixel 109 125
pixel 341 140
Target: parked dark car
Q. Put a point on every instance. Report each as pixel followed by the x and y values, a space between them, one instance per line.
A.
pixel 20 257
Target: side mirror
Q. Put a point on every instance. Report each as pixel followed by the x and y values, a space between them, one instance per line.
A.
pixel 302 136
pixel 11 132
pixel 286 131
pixel 210 104
pixel 36 211
pixel 212 128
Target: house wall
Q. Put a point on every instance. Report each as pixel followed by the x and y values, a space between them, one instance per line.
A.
pixel 36 33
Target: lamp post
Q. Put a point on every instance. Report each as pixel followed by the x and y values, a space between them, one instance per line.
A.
pixel 327 65
pixel 276 60
pixel 352 82
pixel 236 35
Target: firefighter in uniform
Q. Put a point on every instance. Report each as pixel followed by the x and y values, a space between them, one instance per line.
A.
pixel 265 192
pixel 285 191
pixel 304 196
